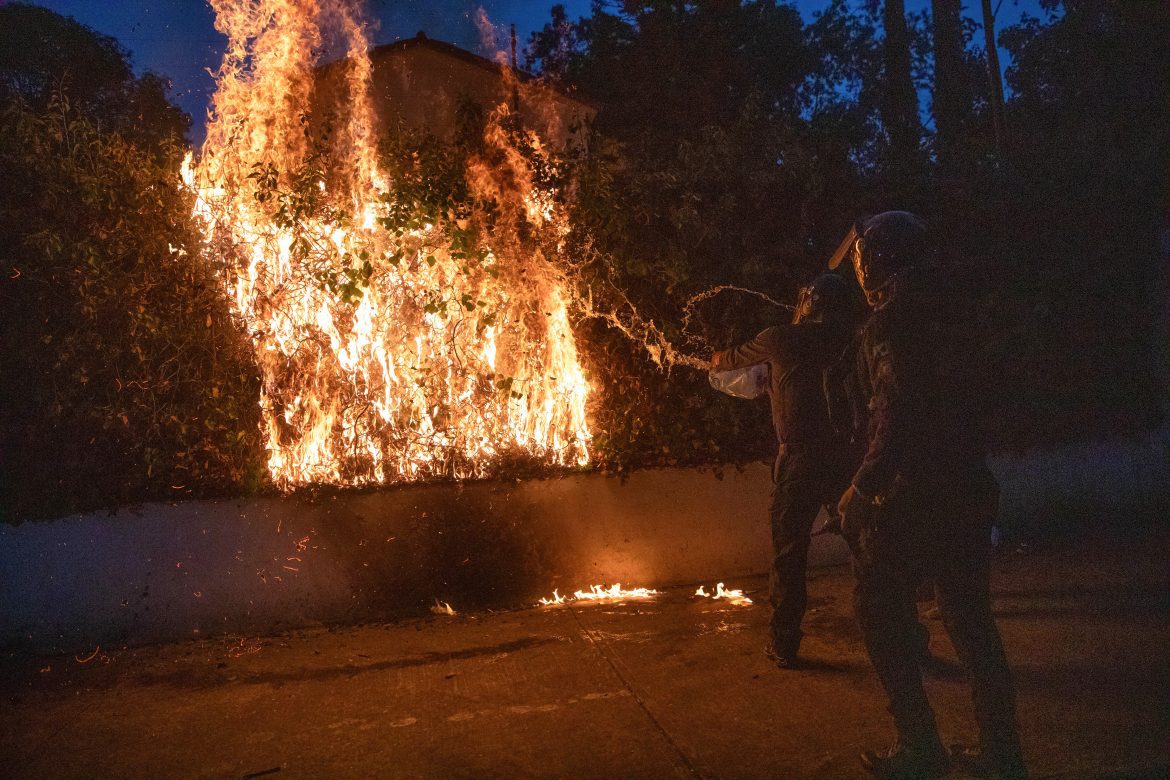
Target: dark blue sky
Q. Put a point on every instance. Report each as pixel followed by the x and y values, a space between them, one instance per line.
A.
pixel 177 37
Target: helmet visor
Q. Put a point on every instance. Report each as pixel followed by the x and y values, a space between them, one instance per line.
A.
pixel 857 254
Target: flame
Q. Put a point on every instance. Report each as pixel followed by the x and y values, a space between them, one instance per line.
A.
pixel 600 593
pixel 384 356
pixel 615 593
pixel 734 597
pixel 556 599
pixel 443 608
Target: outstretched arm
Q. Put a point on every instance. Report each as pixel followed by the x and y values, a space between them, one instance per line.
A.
pixel 768 345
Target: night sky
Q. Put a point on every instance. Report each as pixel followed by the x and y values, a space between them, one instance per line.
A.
pixel 177 38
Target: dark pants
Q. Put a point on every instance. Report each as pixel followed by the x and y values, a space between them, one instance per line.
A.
pixel 806 477
pixel 937 531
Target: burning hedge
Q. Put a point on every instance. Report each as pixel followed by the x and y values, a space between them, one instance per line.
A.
pixel 397 339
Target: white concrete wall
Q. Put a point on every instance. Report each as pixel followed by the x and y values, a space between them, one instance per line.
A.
pixel 165 572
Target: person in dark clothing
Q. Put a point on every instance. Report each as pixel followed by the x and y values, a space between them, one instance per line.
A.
pixel 921 505
pixel 812 466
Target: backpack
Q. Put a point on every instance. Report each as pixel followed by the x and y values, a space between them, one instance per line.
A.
pixel 846 397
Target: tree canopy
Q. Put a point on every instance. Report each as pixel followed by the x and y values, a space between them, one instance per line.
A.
pixel 44 54
pixel 735 142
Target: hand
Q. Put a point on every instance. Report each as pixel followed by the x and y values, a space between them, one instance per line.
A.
pixel 716 361
pixel 853 510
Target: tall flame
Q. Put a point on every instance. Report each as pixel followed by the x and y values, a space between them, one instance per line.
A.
pixel 384 355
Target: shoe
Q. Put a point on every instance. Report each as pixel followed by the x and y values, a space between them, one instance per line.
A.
pixel 978 763
pixel 783 660
pixel 903 763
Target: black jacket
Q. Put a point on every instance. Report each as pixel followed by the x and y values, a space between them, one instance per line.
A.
pixel 921 375
pixel 796 356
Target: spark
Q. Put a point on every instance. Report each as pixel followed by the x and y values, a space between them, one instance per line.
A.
pixel 89 657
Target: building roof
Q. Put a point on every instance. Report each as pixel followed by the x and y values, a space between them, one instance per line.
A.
pixel 400 47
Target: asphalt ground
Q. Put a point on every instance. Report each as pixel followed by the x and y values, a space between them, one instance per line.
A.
pixel 677 686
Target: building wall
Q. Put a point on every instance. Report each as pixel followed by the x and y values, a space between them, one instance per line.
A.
pixel 422 85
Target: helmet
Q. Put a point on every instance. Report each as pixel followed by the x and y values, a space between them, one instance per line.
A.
pixel 827 297
pixel 887 244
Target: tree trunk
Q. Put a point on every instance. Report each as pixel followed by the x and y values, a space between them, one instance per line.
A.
pixel 993 74
pixel 952 94
pixel 900 107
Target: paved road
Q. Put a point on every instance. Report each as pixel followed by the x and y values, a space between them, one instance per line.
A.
pixel 675 687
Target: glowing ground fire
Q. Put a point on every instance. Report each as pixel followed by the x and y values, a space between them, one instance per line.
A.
pixel 598 593
pixel 385 355
pixel 616 593
pixel 734 596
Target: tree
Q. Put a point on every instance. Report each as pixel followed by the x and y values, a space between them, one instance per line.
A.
pixel 699 172
pixel 1072 219
pixel 681 192
pixel 842 95
pixel 43 54
pixel 554 48
pixel 123 377
pixel 1091 108
pixel 952 95
pixel 995 79
pixel 900 103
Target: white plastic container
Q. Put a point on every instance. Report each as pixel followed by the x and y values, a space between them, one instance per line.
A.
pixel 751 382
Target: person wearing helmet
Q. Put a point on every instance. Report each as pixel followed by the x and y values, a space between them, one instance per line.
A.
pixel 812 467
pixel 921 505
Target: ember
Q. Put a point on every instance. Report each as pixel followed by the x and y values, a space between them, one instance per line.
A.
pixel 386 353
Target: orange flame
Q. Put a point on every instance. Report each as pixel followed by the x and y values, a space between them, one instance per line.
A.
pixel 735 597
pixel 383 357
pixel 443 608
pixel 599 593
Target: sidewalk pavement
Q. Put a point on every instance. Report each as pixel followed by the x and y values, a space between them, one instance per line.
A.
pixel 673 687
